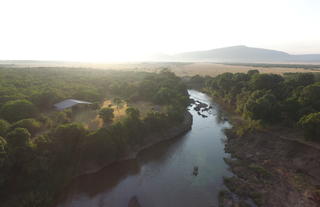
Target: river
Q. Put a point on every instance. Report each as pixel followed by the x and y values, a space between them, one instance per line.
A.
pixel 161 176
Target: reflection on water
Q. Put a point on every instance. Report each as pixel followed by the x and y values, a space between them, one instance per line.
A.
pixel 163 174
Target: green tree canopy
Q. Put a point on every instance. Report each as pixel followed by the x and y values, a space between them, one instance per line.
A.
pixel 133 113
pixel 310 96
pixel 4 127
pixel 32 125
pixel 266 82
pixel 16 110
pixel 67 136
pixel 19 137
pixel 311 126
pixel 106 114
pixel 118 102
pixel 262 105
pixel 3 152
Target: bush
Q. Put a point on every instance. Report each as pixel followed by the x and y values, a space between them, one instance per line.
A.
pixel 32 125
pixel 3 152
pixel 311 126
pixel 19 137
pixel 106 114
pixel 67 136
pixel 16 110
pixel 4 127
pixel 262 105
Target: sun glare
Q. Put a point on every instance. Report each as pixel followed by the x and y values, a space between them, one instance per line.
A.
pixel 130 30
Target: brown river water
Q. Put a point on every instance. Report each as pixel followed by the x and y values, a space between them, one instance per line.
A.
pixel 162 176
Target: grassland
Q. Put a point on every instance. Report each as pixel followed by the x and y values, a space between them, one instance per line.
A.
pixel 185 69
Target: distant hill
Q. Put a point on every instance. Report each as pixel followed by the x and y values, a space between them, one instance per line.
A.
pixel 234 54
pixel 242 54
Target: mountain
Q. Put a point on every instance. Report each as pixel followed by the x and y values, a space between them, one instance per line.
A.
pixel 242 54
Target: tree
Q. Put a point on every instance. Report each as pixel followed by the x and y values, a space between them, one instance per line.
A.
pixel 262 105
pixel 163 95
pixel 16 110
pixel 266 82
pixel 133 113
pixel 32 125
pixel 19 137
pixel 310 96
pixel 311 126
pixel 118 102
pixel 305 79
pixel 3 160
pixel 4 127
pixel 106 114
pixel 19 146
pixel 252 72
pixel 44 99
pixel 3 152
pixel 66 137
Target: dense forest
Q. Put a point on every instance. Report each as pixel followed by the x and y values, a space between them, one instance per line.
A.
pixel 291 100
pixel 41 148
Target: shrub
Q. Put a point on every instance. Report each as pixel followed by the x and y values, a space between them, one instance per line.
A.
pixel 106 114
pixel 311 126
pixel 16 110
pixel 4 127
pixel 32 125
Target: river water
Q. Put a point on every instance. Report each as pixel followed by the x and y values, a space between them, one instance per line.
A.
pixel 162 176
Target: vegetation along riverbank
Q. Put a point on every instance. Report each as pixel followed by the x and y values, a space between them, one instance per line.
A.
pixel 274 141
pixel 57 123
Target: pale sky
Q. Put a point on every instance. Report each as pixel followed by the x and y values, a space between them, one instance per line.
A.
pixel 108 30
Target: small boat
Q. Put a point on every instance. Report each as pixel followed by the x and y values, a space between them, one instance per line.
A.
pixel 195 171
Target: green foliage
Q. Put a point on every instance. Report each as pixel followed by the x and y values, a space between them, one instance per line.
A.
pixel 310 96
pixel 163 96
pixel 266 82
pixel 268 98
pixel 31 125
pixel 106 114
pixel 4 127
pixel 311 126
pixel 62 117
pixel 133 113
pixel 247 127
pixel 16 110
pixel 19 137
pixel 36 168
pixel 3 153
pixel 118 102
pixel 175 113
pixel 262 105
pixel 44 100
pixel 252 72
pixel 67 136
pixel 19 147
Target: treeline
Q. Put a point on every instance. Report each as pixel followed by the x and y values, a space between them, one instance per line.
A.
pixel 266 99
pixel 42 149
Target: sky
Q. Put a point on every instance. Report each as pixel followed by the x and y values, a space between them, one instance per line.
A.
pixel 115 30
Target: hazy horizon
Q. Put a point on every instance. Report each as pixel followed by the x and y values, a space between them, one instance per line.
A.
pixel 123 30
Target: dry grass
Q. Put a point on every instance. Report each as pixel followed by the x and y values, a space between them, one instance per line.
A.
pixel 190 69
pixel 143 106
pixel 89 119
pixel 119 112
pixel 214 69
pixel 180 68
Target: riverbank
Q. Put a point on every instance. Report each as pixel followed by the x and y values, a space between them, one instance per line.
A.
pixel 273 171
pixel 272 167
pixel 155 138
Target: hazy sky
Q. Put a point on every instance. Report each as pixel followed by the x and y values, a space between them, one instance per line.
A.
pixel 128 29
